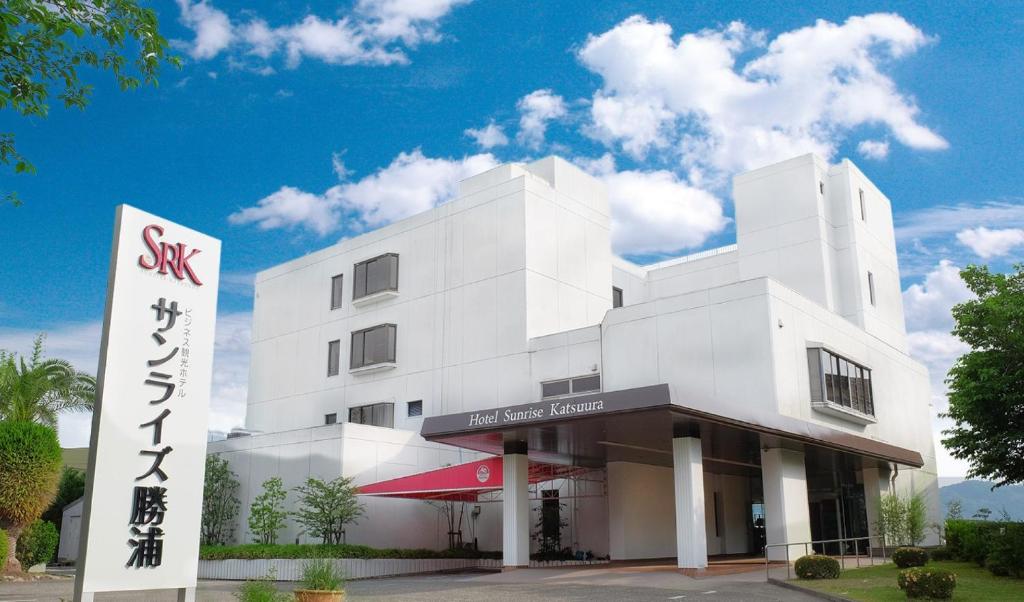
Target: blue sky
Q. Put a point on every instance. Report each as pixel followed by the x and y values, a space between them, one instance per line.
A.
pixel 290 126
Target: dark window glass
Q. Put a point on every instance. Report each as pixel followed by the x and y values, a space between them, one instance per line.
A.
pixel 377 414
pixel 863 206
pixel 846 383
pixel 375 275
pixel 821 187
pixel 415 408
pixel 333 357
pixel 330 418
pixel 336 291
pixel 584 384
pixel 871 287
pixel 373 346
pixel 616 297
pixel 555 387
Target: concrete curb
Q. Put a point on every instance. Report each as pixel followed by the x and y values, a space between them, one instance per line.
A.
pixel 808 591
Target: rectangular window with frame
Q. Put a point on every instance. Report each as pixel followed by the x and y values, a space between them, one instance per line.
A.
pixel 375 275
pixel 616 297
pixel 837 380
pixel 374 345
pixel 863 206
pixel 580 384
pixel 336 283
pixel 333 357
pixel 330 418
pixel 376 414
pixel 414 409
pixel 871 288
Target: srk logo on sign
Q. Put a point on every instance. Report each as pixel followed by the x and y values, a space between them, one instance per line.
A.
pixel 168 256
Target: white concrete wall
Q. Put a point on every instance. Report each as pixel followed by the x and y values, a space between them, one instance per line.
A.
pixel 641 511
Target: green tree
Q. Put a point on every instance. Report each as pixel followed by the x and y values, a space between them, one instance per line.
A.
pixel 29 466
pixel 39 389
pixel 44 44
pixel 326 507
pixel 267 513
pixel 955 509
pixel 70 487
pixel 986 384
pixel 220 502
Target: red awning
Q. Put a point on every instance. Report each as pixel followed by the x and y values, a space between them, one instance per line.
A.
pixel 462 482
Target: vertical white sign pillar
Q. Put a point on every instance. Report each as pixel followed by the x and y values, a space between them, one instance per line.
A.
pixel 515 506
pixel 147 451
pixel 691 535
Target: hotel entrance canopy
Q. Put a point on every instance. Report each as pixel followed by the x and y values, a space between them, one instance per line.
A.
pixel 637 425
pixel 462 482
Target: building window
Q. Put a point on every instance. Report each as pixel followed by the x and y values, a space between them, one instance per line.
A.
pixel 330 419
pixel 863 206
pixel 871 287
pixel 415 408
pixel 333 357
pixel 836 380
pixel 821 187
pixel 373 346
pixel 616 297
pixel 336 291
pixel 375 275
pixel 565 386
pixel 377 414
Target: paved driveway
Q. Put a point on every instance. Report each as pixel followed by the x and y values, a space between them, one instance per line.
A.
pixel 522 585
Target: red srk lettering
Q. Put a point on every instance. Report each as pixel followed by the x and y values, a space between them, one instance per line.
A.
pixel 164 255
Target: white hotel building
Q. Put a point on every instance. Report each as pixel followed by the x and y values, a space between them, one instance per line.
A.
pixel 691 408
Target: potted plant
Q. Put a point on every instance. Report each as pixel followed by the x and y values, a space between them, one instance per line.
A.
pixel 321 582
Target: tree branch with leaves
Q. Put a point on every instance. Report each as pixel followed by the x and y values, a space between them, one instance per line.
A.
pixel 45 44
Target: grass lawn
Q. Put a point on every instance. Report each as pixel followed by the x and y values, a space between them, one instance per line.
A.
pixel 878 583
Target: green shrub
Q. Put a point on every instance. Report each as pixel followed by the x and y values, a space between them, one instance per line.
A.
pixel 29 469
pixel 261 590
pixel 321 574
pixel 815 566
pixel 908 557
pixel 37 544
pixel 3 549
pixel 971 540
pixel 261 551
pixel 940 553
pixel 921 582
pixel 1006 551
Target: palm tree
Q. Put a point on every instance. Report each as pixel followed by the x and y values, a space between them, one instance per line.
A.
pixel 40 389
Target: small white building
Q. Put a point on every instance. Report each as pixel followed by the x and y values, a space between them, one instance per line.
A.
pixel 699 406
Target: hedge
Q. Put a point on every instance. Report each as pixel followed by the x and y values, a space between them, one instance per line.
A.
pixel 37 544
pixel 999 546
pixel 940 553
pixel 3 549
pixel 265 551
pixel 909 557
pixel 921 582
pixel 815 566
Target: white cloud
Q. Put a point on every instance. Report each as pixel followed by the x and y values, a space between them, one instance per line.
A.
pixel 945 220
pixel 536 109
pixel 874 149
pixel 488 137
pixel 79 343
pixel 375 32
pixel 411 184
pixel 654 212
pixel 927 305
pixel 289 208
pixel 991 243
pixel 802 92
pixel 212 27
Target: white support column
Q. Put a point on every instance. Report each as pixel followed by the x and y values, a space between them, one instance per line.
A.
pixel 787 515
pixel 691 538
pixel 515 507
pixel 876 483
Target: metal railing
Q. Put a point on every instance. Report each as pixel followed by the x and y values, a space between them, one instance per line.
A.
pixel 859 544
